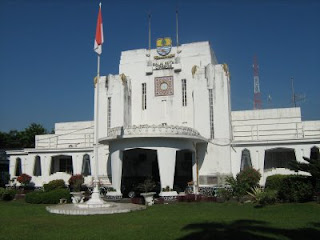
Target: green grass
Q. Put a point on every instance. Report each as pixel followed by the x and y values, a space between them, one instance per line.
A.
pixel 19 220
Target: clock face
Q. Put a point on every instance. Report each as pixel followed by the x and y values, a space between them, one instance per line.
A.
pixel 164 86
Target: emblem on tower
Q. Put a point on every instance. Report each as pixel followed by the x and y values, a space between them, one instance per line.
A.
pixel 164 46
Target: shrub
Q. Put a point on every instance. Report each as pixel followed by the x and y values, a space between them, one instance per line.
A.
pixel 244 181
pixel 75 182
pixel 2 190
pixel 275 181
pixel 8 194
pixel 291 188
pixel 54 184
pixel 250 177
pixel 147 186
pixel 263 197
pixel 24 179
pixel 296 188
pixel 51 197
pixel 224 194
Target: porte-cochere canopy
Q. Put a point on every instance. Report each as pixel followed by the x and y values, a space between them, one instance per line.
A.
pixel 169 131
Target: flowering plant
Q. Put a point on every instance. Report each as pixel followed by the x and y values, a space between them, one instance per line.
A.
pixel 24 178
pixel 75 182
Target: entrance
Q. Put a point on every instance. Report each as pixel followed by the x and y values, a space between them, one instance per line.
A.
pixel 138 165
pixel 183 171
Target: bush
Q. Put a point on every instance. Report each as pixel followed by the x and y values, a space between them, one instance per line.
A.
pixel 249 177
pixel 51 197
pixel 291 188
pixel 24 179
pixel 224 194
pixel 75 182
pixel 275 181
pixel 245 180
pixel 8 194
pixel 54 184
pixel 263 197
pixel 1 192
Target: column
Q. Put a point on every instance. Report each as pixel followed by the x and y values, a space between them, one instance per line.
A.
pixel 167 163
pixel 116 168
pixel 194 172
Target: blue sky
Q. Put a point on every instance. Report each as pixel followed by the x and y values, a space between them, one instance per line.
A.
pixel 47 62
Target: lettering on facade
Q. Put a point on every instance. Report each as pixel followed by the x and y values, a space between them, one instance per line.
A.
pixel 163 65
pixel 164 57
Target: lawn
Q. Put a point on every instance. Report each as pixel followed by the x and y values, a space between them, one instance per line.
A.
pixel 19 220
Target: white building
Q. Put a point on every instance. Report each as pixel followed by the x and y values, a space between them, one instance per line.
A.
pixel 168 115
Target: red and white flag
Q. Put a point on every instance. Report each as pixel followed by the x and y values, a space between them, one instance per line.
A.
pixel 99 34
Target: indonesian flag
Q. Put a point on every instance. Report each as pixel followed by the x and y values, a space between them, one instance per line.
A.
pixel 99 34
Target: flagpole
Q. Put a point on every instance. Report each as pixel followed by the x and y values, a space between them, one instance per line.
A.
pixel 95 196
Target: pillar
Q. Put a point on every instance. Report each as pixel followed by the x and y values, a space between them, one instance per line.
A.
pixel 194 172
pixel 116 168
pixel 167 163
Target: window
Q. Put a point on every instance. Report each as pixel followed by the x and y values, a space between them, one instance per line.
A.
pixel 109 113
pixel 314 154
pixel 245 160
pixel 107 83
pixel 279 158
pixel 66 165
pixel 37 166
pixel 86 169
pixel 144 96
pixel 184 92
pixel 18 170
pixel 211 114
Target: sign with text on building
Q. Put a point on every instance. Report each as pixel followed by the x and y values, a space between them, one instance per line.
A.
pixel 163 65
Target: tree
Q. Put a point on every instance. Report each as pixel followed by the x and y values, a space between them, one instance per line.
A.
pixel 28 135
pixel 312 166
pixel 21 139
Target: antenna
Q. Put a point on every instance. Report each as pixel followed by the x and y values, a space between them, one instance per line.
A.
pixel 269 101
pixel 149 34
pixel 296 97
pixel 177 29
pixel 256 85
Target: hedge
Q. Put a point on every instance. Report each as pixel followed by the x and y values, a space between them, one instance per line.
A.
pixel 291 188
pixel 54 184
pixel 51 197
pixel 7 194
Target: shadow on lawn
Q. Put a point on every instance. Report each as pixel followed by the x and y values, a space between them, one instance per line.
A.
pixel 247 229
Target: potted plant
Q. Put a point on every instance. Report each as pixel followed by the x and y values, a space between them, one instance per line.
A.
pixel 168 194
pixel 24 180
pixel 145 187
pixel 75 183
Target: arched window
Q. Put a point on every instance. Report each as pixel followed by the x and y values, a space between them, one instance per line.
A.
pixel 245 160
pixel 279 158
pixel 86 168
pixel 18 170
pixel 314 154
pixel 37 166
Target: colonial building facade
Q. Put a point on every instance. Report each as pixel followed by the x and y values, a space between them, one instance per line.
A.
pixel 167 115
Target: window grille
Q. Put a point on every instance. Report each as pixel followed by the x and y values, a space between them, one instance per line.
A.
pixel 109 113
pixel 144 96
pixel 184 92
pixel 211 113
